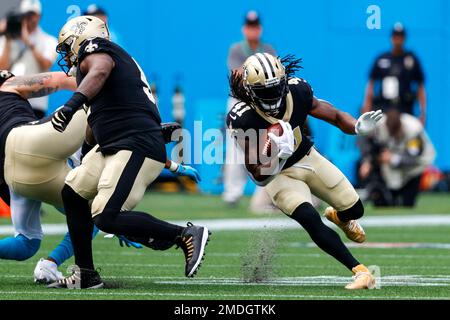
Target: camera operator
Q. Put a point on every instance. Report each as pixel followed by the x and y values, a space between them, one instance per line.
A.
pixel 395 158
pixel 26 49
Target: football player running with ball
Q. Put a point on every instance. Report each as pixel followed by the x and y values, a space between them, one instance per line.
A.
pixel 268 95
pixel 129 155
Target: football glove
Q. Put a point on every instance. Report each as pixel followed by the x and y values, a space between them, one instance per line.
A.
pixel 285 142
pixel 61 118
pixel 124 241
pixel 188 171
pixel 367 122
pixel 168 129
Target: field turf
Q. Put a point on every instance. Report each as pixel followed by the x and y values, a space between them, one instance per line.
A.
pixel 255 264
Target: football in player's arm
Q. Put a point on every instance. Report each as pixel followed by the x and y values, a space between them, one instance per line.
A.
pixel 320 109
pixel 269 95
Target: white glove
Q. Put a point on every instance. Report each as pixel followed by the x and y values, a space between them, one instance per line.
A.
pixel 285 142
pixel 367 122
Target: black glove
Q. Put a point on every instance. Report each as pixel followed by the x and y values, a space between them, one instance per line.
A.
pixel 61 118
pixel 167 129
pixel 64 115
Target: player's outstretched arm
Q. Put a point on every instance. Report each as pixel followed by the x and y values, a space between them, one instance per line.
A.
pixel 39 85
pixel 183 170
pixel 363 126
pixel 326 111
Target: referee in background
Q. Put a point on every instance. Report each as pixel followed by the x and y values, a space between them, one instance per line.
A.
pixel 396 79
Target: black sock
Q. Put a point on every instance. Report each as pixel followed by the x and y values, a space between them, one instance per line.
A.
pixel 79 222
pixel 354 213
pixel 136 225
pixel 325 238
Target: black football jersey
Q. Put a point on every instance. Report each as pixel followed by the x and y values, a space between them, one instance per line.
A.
pixel 124 115
pixel 14 111
pixel 296 108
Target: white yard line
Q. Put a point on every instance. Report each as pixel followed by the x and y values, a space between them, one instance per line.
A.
pixel 280 223
pixel 104 293
pixel 325 281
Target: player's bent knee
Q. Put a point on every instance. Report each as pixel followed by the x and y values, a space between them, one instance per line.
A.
pixel 344 198
pixel 104 222
pixel 307 216
pixel 19 248
pixel 82 182
pixel 355 212
pixel 98 205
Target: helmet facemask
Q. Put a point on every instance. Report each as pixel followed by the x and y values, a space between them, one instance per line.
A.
pixel 269 97
pixel 68 60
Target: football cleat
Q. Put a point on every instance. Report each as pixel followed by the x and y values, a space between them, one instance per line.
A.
pixel 193 241
pixel 80 279
pixel 362 279
pixel 46 271
pixel 352 228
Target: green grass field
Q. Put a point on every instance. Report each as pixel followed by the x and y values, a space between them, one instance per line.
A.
pixel 288 266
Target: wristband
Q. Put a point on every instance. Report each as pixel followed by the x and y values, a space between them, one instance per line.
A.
pixel 76 101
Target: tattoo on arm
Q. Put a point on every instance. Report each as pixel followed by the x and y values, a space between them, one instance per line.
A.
pixel 42 92
pixel 33 86
pixel 28 81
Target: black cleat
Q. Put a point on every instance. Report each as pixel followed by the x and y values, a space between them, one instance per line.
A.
pixel 80 279
pixel 193 241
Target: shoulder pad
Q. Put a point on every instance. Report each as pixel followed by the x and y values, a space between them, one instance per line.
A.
pixel 94 45
pixel 236 116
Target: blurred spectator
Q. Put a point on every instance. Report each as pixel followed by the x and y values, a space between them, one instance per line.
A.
pixel 178 114
pixel 235 175
pixel 26 48
pixel 396 79
pixel 178 110
pixel 96 11
pixel 395 158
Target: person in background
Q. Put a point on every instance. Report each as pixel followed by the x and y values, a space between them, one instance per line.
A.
pixel 234 173
pixel 178 114
pixel 395 158
pixel 29 50
pixel 96 11
pixel 397 79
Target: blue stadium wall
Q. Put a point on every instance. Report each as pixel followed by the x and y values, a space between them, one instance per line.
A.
pixel 186 43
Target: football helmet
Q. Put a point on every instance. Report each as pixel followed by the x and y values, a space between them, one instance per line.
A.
pixel 265 81
pixel 73 34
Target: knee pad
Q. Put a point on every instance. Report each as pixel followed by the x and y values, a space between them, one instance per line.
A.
pixel 19 248
pixel 353 213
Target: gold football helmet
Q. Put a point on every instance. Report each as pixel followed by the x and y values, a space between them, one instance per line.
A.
pixel 265 81
pixel 72 35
